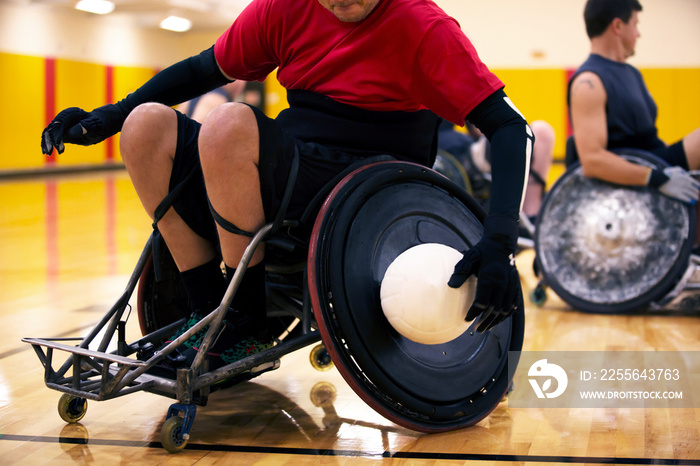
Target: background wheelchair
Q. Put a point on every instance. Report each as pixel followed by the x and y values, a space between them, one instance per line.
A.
pixel 323 277
pixel 605 248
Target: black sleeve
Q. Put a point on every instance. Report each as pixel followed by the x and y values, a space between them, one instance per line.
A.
pixel 511 142
pixel 178 83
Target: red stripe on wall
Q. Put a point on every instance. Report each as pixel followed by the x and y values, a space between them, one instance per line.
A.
pixel 109 98
pixel 50 95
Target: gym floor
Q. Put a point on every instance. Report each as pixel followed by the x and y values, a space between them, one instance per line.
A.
pixel 67 247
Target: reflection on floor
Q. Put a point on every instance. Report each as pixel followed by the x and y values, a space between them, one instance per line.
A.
pixel 67 247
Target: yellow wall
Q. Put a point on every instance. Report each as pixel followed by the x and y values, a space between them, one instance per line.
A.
pixel 22 97
pixel 677 94
pixel 83 85
pixel 538 93
pixel 126 80
pixel 23 92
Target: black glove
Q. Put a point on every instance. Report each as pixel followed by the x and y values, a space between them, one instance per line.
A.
pixel 491 260
pixel 76 126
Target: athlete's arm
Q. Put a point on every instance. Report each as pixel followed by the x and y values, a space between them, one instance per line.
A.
pixel 178 83
pixel 491 259
pixel 588 117
pixel 511 142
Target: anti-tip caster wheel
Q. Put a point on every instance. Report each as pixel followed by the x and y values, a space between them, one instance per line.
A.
pixel 320 358
pixel 538 296
pixel 171 435
pixel 71 408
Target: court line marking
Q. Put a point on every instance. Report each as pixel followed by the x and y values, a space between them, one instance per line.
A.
pixel 356 453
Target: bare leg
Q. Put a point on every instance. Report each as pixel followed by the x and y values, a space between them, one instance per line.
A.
pixel 542 154
pixel 228 149
pixel 691 145
pixel 148 143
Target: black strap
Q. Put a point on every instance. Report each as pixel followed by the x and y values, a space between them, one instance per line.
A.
pixel 158 242
pixel 281 212
pixel 288 190
pixel 538 179
pixel 225 224
pixel 168 200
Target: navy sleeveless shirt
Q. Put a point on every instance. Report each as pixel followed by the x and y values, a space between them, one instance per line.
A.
pixel 630 109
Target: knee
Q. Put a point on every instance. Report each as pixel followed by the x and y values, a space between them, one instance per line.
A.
pixel 150 128
pixel 545 136
pixel 229 134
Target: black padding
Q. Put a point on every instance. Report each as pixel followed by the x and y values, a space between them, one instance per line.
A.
pixel 571 154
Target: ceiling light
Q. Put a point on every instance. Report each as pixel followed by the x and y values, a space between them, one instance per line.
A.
pixel 100 7
pixel 176 23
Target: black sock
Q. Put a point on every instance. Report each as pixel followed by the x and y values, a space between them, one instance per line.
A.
pixel 250 297
pixel 205 286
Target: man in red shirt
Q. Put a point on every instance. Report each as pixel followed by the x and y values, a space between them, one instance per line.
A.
pixel 363 77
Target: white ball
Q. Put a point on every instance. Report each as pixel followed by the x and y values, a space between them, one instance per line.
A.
pixel 416 299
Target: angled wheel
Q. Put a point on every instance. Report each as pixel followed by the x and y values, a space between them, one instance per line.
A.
pixel 71 408
pixel 371 217
pixel 610 249
pixel 171 435
pixel 320 359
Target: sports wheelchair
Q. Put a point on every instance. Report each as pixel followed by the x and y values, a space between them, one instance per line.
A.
pixel 323 275
pixel 604 248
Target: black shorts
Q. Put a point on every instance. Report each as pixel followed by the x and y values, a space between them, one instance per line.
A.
pixel 318 165
pixel 674 155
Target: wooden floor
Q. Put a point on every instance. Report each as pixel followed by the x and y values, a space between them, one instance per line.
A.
pixel 67 247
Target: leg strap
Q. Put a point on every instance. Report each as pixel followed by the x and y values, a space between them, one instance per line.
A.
pixel 281 212
pixel 225 224
pixel 161 209
pixel 538 179
pixel 168 200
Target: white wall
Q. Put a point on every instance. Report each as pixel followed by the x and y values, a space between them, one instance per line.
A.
pixel 40 30
pixel 551 33
pixel 507 33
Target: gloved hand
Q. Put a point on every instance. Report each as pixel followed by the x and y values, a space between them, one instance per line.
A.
pixel 491 260
pixel 76 126
pixel 675 183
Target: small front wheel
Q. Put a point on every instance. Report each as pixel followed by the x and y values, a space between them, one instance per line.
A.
pixel 171 435
pixel 71 408
pixel 320 358
pixel 538 295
